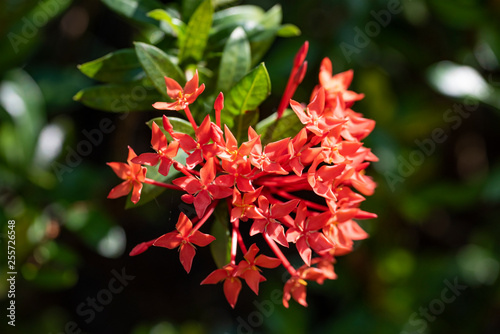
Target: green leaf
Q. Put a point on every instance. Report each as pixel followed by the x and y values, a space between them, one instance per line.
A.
pixel 273 130
pixel 194 42
pixel 158 65
pixel 245 97
pixel 220 3
pixel 188 8
pixel 235 60
pixel 288 30
pixel 225 21
pixel 221 246
pixel 125 97
pixel 179 125
pixel 118 66
pixel 236 16
pixel 262 39
pixel 177 27
pixel 136 10
pixel 22 100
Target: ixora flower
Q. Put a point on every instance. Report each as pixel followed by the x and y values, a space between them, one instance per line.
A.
pixel 301 193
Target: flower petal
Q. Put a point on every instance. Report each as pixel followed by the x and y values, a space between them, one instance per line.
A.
pixel 232 288
pixel 200 239
pixel 186 256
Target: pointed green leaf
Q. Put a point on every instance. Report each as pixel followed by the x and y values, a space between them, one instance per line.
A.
pixel 188 8
pixel 177 26
pixel 272 129
pixel 118 66
pixel 238 15
pixel 158 65
pixel 194 42
pixel 235 60
pixel 288 30
pixel 262 39
pixel 245 97
pixel 221 246
pixel 125 97
pixel 220 3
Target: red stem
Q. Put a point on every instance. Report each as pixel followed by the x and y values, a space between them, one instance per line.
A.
pixel 205 217
pixel 279 254
pixel 190 118
pixel 310 204
pixel 234 241
pixel 161 184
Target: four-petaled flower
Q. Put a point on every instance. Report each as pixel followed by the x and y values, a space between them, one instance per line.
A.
pixel 164 152
pixel 266 219
pixel 247 268
pixel 184 238
pixel 206 187
pixel 232 284
pixel 133 174
pixel 182 97
pixel 305 234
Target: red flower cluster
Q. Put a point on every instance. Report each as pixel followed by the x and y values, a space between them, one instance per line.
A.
pixel 296 190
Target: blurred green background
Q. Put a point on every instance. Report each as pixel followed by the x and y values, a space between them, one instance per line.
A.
pixel 430 72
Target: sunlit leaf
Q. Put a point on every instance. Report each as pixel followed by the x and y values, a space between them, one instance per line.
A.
pixel 235 61
pixel 158 65
pixel 195 40
pixel 245 97
pixel 132 96
pixel 272 129
pixel 288 30
pixel 118 66
pixel 176 25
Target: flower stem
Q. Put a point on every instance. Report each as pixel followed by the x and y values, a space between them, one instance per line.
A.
pixel 279 254
pixel 310 204
pixel 190 118
pixel 234 241
pixel 161 184
pixel 208 213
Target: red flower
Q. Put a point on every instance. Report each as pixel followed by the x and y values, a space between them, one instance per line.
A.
pixel 241 204
pixel 274 153
pixel 316 118
pixel 165 153
pixel 197 148
pixel 300 154
pixel 247 269
pixel 296 286
pixel 305 233
pixel 182 97
pixel 266 218
pixel 184 238
pixel 133 174
pixel 232 284
pixel 337 84
pixel 205 188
